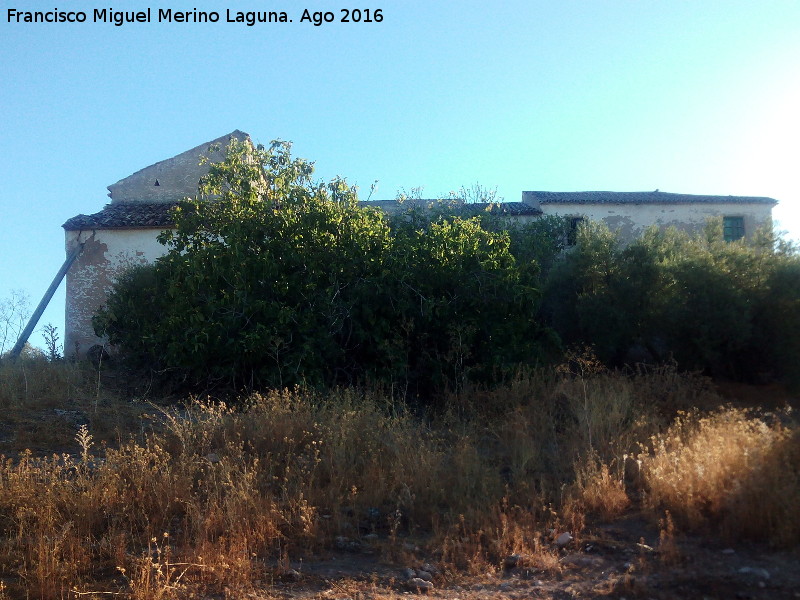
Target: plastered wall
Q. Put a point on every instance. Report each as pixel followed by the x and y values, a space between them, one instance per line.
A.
pixel 630 220
pixel 106 253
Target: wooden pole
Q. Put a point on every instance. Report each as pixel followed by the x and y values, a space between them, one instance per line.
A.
pixel 48 295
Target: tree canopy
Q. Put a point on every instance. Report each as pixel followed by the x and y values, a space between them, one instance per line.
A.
pixel 272 279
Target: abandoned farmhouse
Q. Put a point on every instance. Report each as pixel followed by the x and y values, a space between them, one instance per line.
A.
pixel 124 232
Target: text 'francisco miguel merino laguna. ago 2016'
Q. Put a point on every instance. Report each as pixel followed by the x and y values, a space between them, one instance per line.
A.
pixel 149 15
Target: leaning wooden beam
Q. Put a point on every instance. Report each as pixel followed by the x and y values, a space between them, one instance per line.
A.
pixel 26 333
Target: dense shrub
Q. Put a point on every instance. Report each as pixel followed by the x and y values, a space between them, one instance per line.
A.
pixel 731 309
pixel 271 280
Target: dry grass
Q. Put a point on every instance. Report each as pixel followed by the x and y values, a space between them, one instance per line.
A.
pixel 43 404
pixel 35 382
pixel 600 489
pixel 215 498
pixel 734 469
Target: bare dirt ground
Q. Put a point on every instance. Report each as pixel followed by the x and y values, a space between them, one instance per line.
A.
pixel 618 560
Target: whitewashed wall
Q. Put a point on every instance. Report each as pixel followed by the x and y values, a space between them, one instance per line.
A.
pixel 631 219
pixel 106 254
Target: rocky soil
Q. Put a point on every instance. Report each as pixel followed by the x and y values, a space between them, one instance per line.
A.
pixel 625 559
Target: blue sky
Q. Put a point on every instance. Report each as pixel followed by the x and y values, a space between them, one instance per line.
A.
pixel 692 97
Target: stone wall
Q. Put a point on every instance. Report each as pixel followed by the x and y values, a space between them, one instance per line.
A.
pixel 172 179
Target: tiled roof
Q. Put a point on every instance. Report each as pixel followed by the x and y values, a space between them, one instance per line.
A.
pixel 125 215
pixel 157 215
pixel 513 209
pixel 655 197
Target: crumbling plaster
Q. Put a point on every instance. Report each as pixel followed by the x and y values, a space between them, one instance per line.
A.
pixel 106 254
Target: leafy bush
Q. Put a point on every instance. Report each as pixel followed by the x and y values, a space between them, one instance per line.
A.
pixel 272 280
pixel 730 309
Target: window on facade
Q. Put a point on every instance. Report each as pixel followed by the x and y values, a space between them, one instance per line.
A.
pixel 732 228
pixel 572 234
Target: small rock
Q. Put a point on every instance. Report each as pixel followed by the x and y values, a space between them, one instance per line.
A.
pixel 415 583
pixel 293 575
pixel 410 547
pixel 425 575
pixel 212 457
pixel 563 539
pixel 430 568
pixel 410 573
pixel 512 561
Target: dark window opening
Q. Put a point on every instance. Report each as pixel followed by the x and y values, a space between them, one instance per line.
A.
pixel 732 228
pixel 572 233
pixel 156 184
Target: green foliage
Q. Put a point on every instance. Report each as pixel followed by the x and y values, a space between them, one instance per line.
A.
pixel 130 316
pixel 729 308
pixel 53 348
pixel 272 280
pixel 467 308
pixel 260 277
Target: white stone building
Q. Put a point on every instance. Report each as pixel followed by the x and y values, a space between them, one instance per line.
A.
pixel 630 213
pixel 124 232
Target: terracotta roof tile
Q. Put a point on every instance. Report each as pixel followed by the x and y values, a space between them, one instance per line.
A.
pixel 125 215
pixel 515 209
pixel 655 197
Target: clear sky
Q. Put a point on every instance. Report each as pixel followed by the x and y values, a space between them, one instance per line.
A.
pixel 693 97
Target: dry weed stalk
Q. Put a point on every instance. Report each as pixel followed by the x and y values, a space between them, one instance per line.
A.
pixel 734 469
pixel 286 473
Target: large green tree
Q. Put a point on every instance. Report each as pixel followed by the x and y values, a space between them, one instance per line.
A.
pixel 272 279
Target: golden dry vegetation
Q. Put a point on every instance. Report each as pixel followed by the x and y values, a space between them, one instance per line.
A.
pixel 122 497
